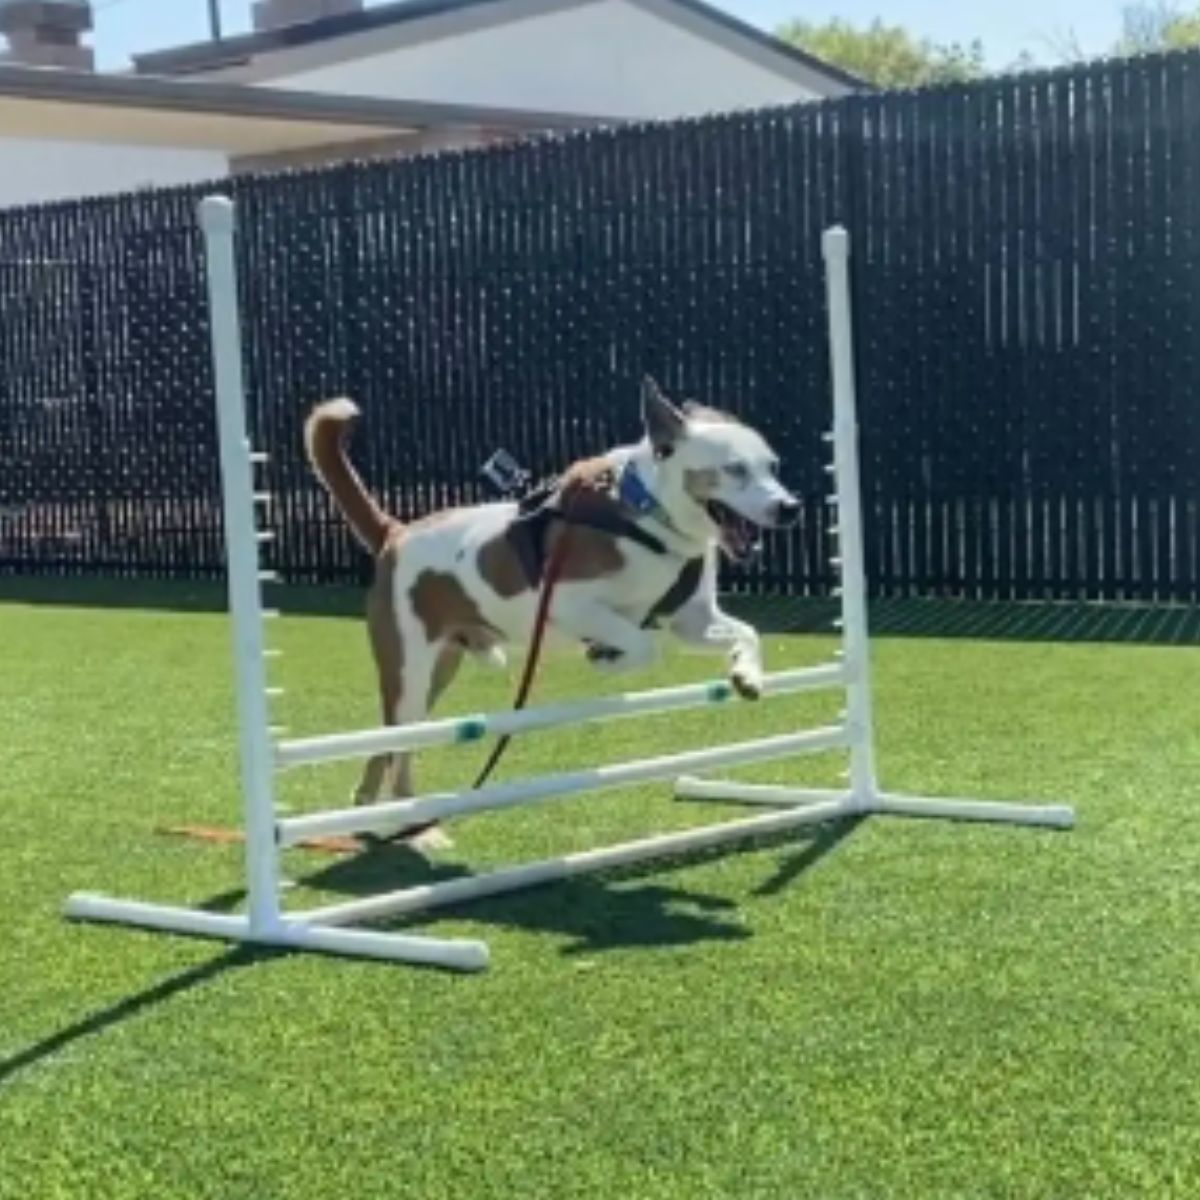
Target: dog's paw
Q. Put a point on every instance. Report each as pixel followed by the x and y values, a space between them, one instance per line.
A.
pixel 422 838
pixel 493 656
pixel 747 682
pixel 433 838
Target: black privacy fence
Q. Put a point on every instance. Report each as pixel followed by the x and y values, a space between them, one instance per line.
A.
pixel 1027 285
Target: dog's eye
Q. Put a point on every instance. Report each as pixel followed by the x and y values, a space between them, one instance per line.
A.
pixel 737 471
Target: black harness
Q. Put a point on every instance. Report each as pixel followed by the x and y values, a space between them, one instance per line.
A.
pixel 529 536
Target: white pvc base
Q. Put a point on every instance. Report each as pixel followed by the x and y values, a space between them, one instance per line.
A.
pixel 1047 816
pixel 286 932
pixel 585 862
pixel 1052 816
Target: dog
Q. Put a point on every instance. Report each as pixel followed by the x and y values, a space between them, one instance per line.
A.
pixel 646 525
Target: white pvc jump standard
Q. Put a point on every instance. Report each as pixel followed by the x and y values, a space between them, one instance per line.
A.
pixel 864 796
pixel 264 921
pixel 262 755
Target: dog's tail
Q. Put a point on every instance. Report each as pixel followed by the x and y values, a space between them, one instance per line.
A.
pixel 326 433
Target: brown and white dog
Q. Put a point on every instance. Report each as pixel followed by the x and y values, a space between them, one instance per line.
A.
pixel 467 580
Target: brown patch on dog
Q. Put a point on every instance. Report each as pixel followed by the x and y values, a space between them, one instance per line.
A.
pixel 501 567
pixel 446 610
pixel 590 553
pixel 701 483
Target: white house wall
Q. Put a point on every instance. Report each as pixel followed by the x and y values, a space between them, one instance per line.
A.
pixel 602 58
pixel 37 172
pixel 607 58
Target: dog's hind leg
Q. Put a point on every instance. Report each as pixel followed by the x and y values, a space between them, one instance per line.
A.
pixel 428 671
pixel 388 648
pixel 425 681
pixel 378 774
pixel 406 698
pixel 427 675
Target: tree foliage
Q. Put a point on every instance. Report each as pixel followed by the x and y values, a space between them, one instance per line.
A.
pixel 1158 26
pixel 886 55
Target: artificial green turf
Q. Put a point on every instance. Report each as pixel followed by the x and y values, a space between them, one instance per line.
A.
pixel 897 1010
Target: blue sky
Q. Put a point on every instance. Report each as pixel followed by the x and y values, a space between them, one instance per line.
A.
pixel 1006 26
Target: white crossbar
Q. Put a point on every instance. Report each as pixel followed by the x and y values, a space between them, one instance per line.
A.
pixel 391 817
pixel 585 862
pixel 333 747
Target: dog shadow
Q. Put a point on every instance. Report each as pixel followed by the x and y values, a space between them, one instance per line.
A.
pixel 614 910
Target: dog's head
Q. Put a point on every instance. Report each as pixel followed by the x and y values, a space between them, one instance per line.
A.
pixel 714 474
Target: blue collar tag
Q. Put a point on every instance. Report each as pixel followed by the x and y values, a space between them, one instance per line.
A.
pixel 634 492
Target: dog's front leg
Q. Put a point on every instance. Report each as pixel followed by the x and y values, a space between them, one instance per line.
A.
pixel 703 625
pixel 706 627
pixel 615 643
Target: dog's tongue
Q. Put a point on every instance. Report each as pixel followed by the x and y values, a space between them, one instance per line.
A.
pixel 742 535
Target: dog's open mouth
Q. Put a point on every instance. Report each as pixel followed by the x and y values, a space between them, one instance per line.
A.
pixel 741 538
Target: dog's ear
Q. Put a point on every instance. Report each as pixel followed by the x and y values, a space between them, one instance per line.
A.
pixel 665 424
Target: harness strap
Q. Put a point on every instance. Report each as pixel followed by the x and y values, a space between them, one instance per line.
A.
pixel 616 524
pixel 529 533
pixel 680 592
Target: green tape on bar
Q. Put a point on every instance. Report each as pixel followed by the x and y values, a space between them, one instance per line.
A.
pixel 472 730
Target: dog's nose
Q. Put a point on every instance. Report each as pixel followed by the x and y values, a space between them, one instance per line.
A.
pixel 787 512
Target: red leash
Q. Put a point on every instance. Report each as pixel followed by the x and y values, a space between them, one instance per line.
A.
pixel 554 566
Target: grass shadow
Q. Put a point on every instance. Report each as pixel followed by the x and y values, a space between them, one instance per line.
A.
pixel 596 913
pixel 132 1006
pixel 825 839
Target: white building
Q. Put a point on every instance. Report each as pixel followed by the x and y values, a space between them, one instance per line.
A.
pixel 401 76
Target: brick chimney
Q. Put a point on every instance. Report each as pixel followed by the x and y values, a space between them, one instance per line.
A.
pixel 47 33
pixel 275 14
